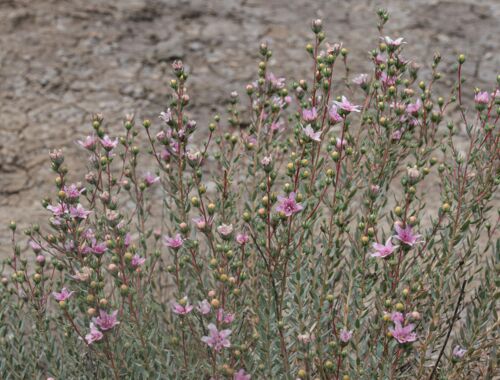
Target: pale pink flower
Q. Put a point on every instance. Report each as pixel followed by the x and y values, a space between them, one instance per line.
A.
pixel 79 212
pixel 361 79
pixel 276 83
pixel 82 275
pixel 345 335
pixel 217 339
pixel 459 352
pixel 63 295
pixel 310 114
pixel 242 238
pixel 204 307
pixel 387 80
pixel 200 222
pixel 98 248
pixel 94 335
pixel 89 143
pixel 403 334
pixel 347 106
pixel 58 210
pixel 396 135
pixel 406 235
pixel 277 126
pixel 384 250
pixel 106 321
pixel 482 97
pixel 393 43
pixel 334 115
pixel 397 317
pixel 137 261
pixel 166 116
pixel 288 205
pixel 184 309
pixel 241 375
pixel 413 108
pixel 107 143
pixel 35 246
pixel 225 230
pixel 150 179
pixel 341 143
pixel 309 132
pixel 380 58
pixel 266 160
pixel 173 242
pixel 72 191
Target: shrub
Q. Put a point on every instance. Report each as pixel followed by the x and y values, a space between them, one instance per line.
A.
pixel 299 239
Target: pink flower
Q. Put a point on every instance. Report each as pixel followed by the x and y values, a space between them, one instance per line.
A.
pixel 200 222
pixel 397 317
pixel 183 309
pixel 309 132
pixel 204 307
pixel 288 205
pixel 173 242
pixel 241 375
pixel 406 235
pixel 310 114
pixel 72 191
pixel 334 115
pixel 150 179
pixel 393 43
pixel 384 250
pixel 57 210
pixel 225 230
pixel 396 135
pixel 361 79
pixel 79 212
pixel 276 83
pixel 266 160
pixel 277 126
pixel 413 108
pixel 242 238
pixel 109 144
pixel 341 143
pixel 106 321
pixel 217 339
pixel 387 80
pixel 137 261
pixel 347 106
pixel 403 334
pixel 345 335
pixel 63 296
pixel 89 143
pixel 98 248
pixel 166 116
pixel 482 97
pixel 35 246
pixel 94 335
pixel 380 58
pixel 459 352
pixel 222 316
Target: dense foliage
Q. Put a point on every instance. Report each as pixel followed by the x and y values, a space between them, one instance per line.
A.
pixel 332 229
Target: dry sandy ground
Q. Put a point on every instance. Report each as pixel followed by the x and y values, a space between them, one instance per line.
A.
pixel 62 60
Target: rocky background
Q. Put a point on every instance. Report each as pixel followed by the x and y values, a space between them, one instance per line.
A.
pixel 62 60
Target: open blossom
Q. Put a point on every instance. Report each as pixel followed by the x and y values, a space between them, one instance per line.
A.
pixel 288 205
pixel 241 375
pixel 173 242
pixel 397 317
pixel 89 143
pixel 79 212
pixel 345 335
pixel 72 191
pixel 310 114
pixel 225 230
pixel 403 334
pixel 217 339
pixel 63 295
pixel 94 335
pixel 166 116
pixel 384 250
pixel 106 321
pixel 361 79
pixel 334 115
pixel 406 235
pixel 387 80
pixel 57 210
pixel 413 108
pixel 393 43
pixel 482 97
pixel 347 106
pixel 266 160
pixel 276 83
pixel 242 238
pixel 137 261
pixel 98 248
pixel 309 132
pixel 149 179
pixel 458 352
pixel 109 144
pixel 277 126
pixel 204 307
pixel 396 135
pixel 182 308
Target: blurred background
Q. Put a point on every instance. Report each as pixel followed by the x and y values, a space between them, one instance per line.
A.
pixel 63 60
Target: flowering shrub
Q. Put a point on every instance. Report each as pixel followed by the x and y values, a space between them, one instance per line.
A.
pixel 297 240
